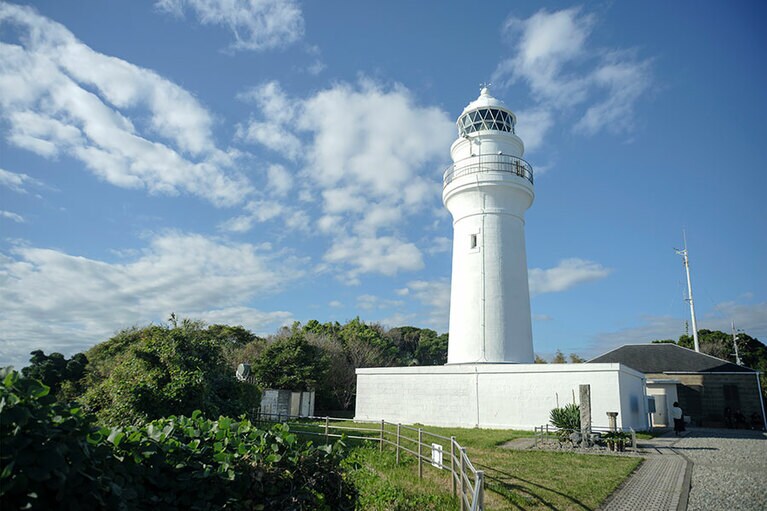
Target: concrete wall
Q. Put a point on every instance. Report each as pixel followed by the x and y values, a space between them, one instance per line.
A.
pixel 518 396
pixel 703 398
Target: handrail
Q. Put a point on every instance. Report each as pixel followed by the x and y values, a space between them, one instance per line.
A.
pixel 465 478
pixel 488 163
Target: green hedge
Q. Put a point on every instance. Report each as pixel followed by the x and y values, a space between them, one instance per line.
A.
pixel 53 456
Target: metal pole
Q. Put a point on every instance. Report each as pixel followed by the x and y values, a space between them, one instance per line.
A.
pixel 398 437
pixel 761 400
pixel 327 420
pixel 480 482
pixel 735 343
pixel 452 462
pixel 420 458
pixel 463 470
pixel 380 443
pixel 683 253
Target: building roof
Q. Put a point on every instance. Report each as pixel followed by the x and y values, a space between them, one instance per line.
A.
pixel 668 358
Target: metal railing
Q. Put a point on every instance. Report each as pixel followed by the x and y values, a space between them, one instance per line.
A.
pixel 488 163
pixel 467 483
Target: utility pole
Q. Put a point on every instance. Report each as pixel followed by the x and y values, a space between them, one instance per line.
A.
pixel 683 253
pixel 735 343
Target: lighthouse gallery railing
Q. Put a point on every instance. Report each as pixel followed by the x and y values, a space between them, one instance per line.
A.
pixel 488 163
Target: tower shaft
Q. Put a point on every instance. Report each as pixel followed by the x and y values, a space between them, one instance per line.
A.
pixel 487 191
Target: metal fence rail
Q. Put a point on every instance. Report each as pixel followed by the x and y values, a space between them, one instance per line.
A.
pixel 467 483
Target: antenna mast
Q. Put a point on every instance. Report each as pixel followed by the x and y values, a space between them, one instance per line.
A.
pixel 735 343
pixel 683 253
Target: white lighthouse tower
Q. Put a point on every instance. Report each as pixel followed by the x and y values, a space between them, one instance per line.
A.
pixel 487 189
pixel 490 380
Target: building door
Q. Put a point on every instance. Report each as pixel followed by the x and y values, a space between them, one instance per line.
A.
pixel 660 417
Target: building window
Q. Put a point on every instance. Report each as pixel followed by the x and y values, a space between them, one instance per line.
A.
pixel 473 241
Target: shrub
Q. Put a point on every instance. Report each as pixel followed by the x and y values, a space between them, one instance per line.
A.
pixel 567 418
pixel 55 457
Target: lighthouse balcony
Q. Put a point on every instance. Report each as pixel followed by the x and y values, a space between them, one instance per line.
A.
pixel 488 163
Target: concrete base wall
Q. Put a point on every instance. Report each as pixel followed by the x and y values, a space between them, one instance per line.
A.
pixel 512 396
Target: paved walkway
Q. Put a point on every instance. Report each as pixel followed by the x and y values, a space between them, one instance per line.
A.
pixel 703 470
pixel 660 484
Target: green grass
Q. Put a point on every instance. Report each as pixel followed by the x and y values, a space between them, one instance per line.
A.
pixel 515 479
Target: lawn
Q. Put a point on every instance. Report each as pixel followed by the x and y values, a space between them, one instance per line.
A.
pixel 514 479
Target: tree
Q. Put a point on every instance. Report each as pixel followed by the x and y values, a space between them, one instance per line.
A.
pixel 576 359
pixel 57 372
pixel 559 358
pixel 432 349
pixel 540 360
pixel 291 362
pixel 156 371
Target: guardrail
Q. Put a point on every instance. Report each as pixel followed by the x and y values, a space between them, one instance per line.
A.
pixel 488 163
pixel 467 483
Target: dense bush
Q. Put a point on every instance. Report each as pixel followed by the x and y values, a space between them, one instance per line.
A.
pixel 156 371
pixel 567 418
pixel 55 457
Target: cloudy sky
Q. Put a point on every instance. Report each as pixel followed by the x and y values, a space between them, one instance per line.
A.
pixel 257 162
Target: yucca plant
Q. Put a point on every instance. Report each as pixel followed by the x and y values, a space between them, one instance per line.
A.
pixel 567 419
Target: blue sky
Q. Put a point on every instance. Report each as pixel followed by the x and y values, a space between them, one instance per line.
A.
pixel 257 163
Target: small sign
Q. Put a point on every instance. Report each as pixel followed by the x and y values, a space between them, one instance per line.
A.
pixel 436 455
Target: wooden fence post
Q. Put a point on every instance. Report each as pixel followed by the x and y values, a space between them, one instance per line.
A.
pixel 380 443
pixel 327 421
pixel 398 437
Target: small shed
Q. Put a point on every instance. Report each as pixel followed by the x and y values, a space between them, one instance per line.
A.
pixel 703 385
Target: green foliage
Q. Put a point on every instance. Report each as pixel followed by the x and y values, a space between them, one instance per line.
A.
pixel 567 418
pixel 55 371
pixel 54 457
pixel 291 362
pixel 559 358
pixel 156 371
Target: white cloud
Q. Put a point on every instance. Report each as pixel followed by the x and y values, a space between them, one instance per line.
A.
pixel 255 24
pixel 370 302
pixel 279 180
pixel 752 318
pixel 335 304
pixel 365 151
pixel 567 274
pixel 435 295
pixel 16 181
pixel 127 124
pixel 552 55
pixel 15 217
pixel 440 245
pixel 50 295
pixel 386 255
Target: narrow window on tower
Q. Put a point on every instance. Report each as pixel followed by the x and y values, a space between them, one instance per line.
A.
pixel 473 241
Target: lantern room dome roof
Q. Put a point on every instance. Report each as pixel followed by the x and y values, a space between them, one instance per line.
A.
pixel 485 100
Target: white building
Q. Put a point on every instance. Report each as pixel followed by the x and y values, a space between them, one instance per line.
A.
pixel 490 380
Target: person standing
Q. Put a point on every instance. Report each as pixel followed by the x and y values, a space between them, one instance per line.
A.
pixel 678 416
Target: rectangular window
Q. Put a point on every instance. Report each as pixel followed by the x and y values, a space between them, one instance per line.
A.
pixel 473 241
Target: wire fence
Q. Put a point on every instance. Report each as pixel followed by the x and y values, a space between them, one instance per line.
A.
pixel 429 449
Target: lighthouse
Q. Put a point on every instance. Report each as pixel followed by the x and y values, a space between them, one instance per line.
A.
pixel 490 380
pixel 487 190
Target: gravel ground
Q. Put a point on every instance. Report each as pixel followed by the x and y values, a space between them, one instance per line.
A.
pixel 729 469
